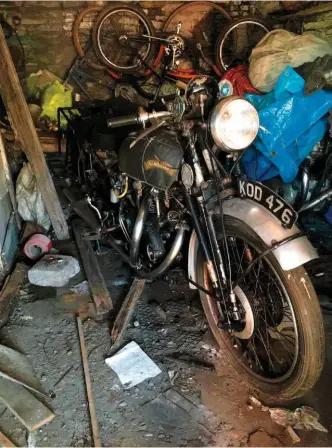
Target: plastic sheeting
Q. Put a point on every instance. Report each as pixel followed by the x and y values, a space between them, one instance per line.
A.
pixel 29 201
pixel 290 126
pixel 279 49
pixel 53 97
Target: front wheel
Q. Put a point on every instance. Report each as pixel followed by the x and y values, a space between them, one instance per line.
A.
pixel 278 346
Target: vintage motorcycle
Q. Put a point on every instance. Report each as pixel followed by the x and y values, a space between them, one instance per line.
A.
pixel 172 191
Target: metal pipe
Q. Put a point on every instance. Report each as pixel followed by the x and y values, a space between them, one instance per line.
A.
pixel 304 186
pixel 320 198
pixel 138 229
pixel 109 241
pixel 170 257
pixel 198 228
pixel 164 265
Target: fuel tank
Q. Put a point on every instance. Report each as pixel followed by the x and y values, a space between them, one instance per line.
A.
pixel 155 159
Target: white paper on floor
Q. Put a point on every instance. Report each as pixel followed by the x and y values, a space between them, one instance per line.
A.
pixel 132 365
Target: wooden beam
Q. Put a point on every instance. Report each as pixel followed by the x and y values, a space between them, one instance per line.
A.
pixel 99 291
pixel 305 13
pixel 49 144
pixel 27 408
pixel 126 311
pixel 25 132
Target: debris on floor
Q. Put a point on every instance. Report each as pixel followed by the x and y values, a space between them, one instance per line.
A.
pixel 262 438
pixel 132 365
pixel 4 441
pixel 54 270
pixel 10 291
pixel 304 418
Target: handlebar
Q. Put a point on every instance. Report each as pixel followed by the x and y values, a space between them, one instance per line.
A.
pixel 141 117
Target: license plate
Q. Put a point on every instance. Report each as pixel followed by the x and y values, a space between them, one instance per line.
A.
pixel 270 200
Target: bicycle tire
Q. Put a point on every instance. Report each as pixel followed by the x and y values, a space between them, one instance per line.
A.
pixel 75 34
pixel 95 35
pixel 198 4
pixel 149 96
pixel 225 32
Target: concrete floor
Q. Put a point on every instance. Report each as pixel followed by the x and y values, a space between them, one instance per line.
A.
pixel 185 405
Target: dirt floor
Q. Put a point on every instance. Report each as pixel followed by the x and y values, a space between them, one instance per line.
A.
pixel 199 401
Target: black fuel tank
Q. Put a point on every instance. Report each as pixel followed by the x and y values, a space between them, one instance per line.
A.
pixel 155 159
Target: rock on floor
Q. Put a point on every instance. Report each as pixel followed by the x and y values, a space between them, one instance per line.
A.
pixel 54 270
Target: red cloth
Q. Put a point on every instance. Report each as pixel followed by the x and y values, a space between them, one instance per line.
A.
pixel 239 78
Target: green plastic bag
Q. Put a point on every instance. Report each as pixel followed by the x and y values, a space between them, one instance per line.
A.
pixel 53 97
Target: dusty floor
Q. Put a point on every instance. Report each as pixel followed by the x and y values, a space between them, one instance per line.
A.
pixel 183 406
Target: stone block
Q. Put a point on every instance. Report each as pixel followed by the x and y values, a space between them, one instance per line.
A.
pixel 54 270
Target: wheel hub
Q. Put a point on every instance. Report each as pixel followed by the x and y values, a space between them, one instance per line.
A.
pixel 249 323
pixel 177 44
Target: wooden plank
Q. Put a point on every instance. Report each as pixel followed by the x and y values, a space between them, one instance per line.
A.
pixel 10 291
pixel 5 442
pixel 305 13
pixel 100 294
pixel 27 408
pixel 126 311
pixel 25 132
pixel 92 409
pixel 48 143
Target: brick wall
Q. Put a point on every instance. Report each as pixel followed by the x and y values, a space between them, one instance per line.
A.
pixel 320 24
pixel 44 27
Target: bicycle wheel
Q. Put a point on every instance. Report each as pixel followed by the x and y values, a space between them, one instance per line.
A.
pixel 82 31
pixel 148 88
pixel 200 21
pixel 236 41
pixel 117 46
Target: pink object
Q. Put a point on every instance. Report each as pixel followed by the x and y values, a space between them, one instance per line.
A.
pixel 37 245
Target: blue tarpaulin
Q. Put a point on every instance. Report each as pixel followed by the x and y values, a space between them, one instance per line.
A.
pixel 290 126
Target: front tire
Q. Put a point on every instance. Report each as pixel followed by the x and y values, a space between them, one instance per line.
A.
pixel 308 322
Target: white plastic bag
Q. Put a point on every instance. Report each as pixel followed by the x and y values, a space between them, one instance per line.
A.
pixel 29 201
pixel 279 49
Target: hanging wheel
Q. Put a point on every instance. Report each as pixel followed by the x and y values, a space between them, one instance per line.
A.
pixel 204 22
pixel 82 36
pixel 236 41
pixel 112 34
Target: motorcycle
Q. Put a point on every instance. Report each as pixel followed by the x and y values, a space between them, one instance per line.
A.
pixel 169 189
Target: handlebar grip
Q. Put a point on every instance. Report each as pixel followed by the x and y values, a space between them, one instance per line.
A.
pixel 122 121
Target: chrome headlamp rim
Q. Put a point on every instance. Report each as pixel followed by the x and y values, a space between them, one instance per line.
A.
pixel 216 124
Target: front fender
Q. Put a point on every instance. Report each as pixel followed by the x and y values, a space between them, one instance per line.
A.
pixel 268 228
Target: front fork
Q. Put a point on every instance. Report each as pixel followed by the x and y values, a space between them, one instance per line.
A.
pixel 208 239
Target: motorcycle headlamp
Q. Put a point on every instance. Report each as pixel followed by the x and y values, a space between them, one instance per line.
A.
pixel 234 124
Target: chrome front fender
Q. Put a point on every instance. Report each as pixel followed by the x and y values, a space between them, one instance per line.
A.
pixel 268 228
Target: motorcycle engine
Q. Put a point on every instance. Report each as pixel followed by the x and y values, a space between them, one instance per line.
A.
pixel 154 159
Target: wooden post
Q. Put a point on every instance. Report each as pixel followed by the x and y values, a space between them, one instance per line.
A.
pixel 25 132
